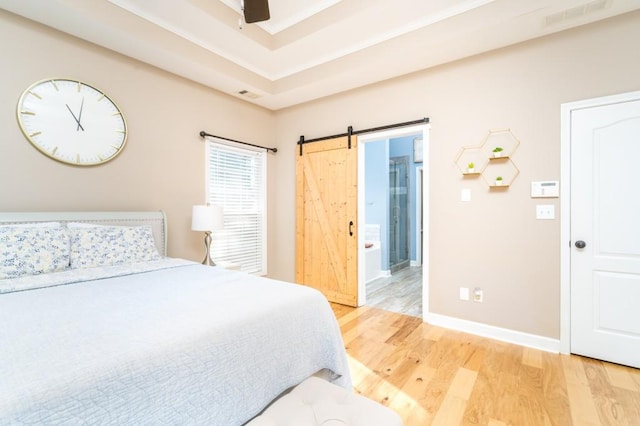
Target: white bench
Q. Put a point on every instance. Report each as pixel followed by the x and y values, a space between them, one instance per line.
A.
pixel 318 402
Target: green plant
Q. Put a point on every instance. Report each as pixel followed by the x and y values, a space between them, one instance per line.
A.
pixel 499 178
pixel 498 149
pixel 470 165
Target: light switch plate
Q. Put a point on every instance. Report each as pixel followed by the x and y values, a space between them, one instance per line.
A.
pixel 465 195
pixel 545 211
pixel 464 293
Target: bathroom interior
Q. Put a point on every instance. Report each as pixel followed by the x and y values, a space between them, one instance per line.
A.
pixel 393 214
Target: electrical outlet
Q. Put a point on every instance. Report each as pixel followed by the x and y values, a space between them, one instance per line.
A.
pixel 477 294
pixel 464 293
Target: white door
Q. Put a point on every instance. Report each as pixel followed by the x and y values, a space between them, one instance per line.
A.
pixel 605 230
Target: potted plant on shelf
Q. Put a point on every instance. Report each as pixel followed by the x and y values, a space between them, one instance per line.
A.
pixel 497 151
pixel 471 168
pixel 498 180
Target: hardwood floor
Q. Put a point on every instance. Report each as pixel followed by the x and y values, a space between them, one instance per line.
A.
pixel 434 376
pixel 401 292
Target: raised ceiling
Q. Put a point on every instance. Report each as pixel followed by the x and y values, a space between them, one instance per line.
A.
pixel 309 48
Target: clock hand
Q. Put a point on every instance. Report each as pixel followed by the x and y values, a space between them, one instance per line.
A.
pixel 80 115
pixel 74 117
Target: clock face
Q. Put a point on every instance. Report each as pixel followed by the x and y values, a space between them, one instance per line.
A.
pixel 71 122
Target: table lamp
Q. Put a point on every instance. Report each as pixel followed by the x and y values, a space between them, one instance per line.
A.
pixel 207 219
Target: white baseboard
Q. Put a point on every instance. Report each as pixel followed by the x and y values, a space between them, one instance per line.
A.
pixel 381 274
pixel 503 334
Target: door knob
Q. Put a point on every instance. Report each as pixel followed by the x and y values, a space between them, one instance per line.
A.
pixel 580 244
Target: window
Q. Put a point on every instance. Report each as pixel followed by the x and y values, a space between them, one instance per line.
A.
pixel 236 180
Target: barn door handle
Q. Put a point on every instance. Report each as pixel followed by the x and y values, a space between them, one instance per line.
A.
pixel 581 244
pixel 351 228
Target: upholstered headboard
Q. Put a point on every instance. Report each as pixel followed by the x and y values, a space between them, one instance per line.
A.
pixel 156 219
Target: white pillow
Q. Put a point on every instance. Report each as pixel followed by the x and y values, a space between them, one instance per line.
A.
pixel 33 225
pixel 33 250
pixel 111 245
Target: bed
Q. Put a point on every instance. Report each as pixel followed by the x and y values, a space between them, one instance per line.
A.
pixel 107 330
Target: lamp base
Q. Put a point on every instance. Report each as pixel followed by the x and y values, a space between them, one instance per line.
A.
pixel 207 244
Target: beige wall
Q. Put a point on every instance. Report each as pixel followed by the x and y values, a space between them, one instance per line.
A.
pixel 162 165
pixel 494 241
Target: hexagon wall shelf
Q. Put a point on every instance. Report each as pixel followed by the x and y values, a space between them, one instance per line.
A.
pixel 504 168
pixel 471 156
pixel 502 140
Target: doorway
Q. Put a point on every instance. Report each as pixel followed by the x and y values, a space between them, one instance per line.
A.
pixel 421 132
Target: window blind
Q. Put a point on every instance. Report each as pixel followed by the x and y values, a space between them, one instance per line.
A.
pixel 236 180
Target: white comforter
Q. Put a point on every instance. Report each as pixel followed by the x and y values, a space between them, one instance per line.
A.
pixel 187 344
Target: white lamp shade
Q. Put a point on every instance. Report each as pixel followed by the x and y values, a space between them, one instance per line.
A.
pixel 207 218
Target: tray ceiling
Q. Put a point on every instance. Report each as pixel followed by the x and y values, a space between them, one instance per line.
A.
pixel 309 48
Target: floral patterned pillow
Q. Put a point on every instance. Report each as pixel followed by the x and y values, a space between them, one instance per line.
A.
pixel 111 245
pixel 32 250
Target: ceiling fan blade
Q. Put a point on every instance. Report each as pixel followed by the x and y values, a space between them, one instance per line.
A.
pixel 256 11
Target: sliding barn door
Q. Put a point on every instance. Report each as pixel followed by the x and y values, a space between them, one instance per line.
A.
pixel 326 219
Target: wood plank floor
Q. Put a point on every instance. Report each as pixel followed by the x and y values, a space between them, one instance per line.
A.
pixel 401 292
pixel 434 376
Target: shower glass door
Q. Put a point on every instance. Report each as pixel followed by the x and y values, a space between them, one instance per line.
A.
pixel 398 213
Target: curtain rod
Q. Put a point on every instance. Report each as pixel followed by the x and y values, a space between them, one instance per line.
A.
pixel 203 134
pixel 356 132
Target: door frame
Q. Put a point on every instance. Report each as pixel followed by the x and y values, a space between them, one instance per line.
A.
pixel 391 134
pixel 566 109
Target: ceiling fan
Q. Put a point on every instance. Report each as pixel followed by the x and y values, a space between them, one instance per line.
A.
pixel 255 10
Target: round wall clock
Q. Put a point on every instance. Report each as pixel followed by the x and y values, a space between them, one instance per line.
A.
pixel 72 122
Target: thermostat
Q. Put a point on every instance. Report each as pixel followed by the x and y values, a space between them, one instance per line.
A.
pixel 545 189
